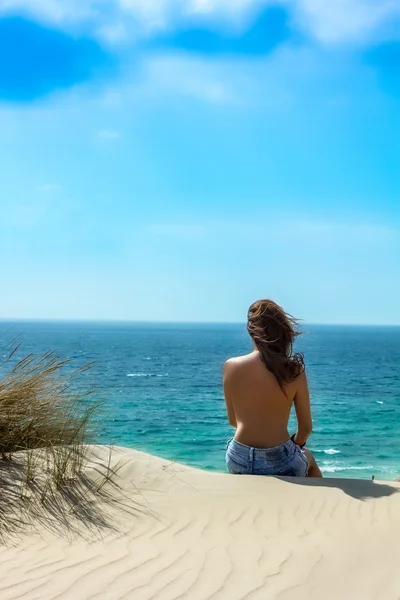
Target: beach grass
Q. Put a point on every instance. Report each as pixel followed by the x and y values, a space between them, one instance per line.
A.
pixel 47 423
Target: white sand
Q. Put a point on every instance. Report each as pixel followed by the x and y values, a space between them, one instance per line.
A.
pixel 194 535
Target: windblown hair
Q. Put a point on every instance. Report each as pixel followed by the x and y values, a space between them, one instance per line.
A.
pixel 273 332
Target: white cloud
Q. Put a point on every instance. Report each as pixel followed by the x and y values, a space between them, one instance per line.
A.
pixel 49 188
pixel 191 77
pixel 334 234
pixel 52 10
pixel 108 134
pixel 282 84
pixel 330 21
pixel 333 21
pixel 275 85
pixel 160 14
pixel 189 231
pixel 119 20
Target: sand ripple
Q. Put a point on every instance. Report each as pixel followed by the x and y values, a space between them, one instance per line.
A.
pixel 203 536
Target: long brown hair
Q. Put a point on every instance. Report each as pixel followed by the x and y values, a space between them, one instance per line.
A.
pixel 273 332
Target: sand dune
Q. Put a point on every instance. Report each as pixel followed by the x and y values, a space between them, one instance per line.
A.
pixel 172 533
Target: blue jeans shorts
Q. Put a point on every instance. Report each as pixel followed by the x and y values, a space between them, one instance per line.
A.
pixel 286 460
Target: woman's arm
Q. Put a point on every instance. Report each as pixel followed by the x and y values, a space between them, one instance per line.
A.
pixel 303 411
pixel 229 405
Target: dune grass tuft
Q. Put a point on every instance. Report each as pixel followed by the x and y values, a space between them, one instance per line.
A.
pixel 47 424
pixel 41 409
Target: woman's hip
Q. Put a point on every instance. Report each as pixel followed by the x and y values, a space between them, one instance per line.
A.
pixel 285 460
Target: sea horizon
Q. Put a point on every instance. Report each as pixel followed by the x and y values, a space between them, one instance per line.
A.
pixel 6 320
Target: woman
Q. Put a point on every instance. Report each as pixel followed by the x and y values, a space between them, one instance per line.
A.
pixel 260 389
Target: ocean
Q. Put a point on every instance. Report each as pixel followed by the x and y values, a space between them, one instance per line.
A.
pixel 161 384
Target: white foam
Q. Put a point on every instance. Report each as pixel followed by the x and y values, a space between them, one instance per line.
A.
pixel 379 402
pixel 138 375
pixel 331 451
pixel 147 375
pixel 334 469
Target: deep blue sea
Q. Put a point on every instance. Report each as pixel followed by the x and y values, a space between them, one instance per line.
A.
pixel 163 392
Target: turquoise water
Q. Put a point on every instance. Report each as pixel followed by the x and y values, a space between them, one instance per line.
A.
pixel 162 386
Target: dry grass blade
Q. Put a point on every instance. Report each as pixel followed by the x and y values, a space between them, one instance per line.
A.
pixel 46 426
pixel 40 409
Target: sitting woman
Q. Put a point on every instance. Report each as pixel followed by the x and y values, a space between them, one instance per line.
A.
pixel 259 391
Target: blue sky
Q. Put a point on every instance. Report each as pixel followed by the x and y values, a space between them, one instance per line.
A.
pixel 175 160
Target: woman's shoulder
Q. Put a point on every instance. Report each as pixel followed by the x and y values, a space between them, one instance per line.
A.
pixel 237 361
pixel 238 365
pixel 231 364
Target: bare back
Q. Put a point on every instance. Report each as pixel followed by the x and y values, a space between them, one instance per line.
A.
pixel 258 407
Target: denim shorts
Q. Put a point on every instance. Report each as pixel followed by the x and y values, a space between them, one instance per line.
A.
pixel 286 460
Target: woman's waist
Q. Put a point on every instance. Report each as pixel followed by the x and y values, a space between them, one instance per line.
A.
pixel 263 440
pixel 271 453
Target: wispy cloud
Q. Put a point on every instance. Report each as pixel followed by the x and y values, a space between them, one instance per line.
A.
pixel 267 31
pixel 49 188
pixel 330 21
pixel 108 134
pixel 51 10
pixel 190 76
pixel 178 231
pixel 335 234
pixel 333 21
pixel 294 75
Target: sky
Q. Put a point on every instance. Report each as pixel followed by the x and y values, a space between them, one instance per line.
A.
pixel 175 160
